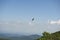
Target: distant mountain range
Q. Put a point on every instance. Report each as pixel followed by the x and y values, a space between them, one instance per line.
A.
pixel 19 37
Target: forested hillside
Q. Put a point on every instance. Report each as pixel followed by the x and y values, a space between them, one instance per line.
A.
pixel 50 36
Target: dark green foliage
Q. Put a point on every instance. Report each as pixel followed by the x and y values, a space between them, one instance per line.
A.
pixel 52 36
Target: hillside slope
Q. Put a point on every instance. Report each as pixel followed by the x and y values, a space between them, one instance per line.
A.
pixel 52 36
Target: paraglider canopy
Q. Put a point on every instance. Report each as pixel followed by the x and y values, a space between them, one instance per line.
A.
pixel 32 19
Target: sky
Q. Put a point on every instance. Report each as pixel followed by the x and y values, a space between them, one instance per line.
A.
pixel 16 16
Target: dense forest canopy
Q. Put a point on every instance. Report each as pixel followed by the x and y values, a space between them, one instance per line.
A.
pixel 50 36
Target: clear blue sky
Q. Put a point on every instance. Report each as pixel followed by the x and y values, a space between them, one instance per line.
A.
pixel 24 10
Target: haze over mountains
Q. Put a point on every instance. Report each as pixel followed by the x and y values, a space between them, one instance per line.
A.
pixel 19 37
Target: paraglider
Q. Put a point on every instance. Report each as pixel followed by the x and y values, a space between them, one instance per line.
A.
pixel 32 19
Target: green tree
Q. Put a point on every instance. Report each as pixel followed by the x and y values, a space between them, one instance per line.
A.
pixel 52 36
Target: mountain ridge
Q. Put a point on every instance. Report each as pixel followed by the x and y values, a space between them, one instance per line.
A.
pixel 19 37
